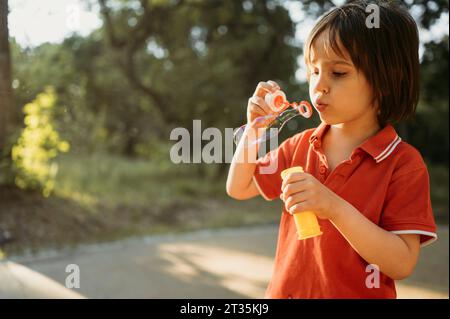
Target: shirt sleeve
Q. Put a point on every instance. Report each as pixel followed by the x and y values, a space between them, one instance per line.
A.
pixel 267 176
pixel 407 209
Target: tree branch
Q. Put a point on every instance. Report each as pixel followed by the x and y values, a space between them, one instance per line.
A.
pixel 114 41
pixel 127 48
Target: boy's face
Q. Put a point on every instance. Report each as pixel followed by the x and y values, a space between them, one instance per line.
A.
pixel 339 92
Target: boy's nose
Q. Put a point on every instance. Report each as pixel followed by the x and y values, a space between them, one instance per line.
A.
pixel 321 85
pixel 321 88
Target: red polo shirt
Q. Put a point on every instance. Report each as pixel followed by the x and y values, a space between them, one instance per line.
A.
pixel 385 178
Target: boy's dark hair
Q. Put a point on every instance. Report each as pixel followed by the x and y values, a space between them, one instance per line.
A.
pixel 388 56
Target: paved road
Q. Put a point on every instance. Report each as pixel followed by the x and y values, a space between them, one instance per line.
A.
pixel 19 282
pixel 234 263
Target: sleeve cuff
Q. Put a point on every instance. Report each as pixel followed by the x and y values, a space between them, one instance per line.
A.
pixel 426 239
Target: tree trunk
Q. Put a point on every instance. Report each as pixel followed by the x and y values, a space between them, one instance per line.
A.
pixel 5 77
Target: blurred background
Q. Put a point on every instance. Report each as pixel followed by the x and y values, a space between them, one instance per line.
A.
pixel 91 89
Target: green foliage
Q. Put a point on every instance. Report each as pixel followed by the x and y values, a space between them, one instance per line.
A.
pixel 37 146
pixel 430 10
pixel 204 66
pixel 428 130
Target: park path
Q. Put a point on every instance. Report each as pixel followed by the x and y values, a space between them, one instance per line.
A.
pixel 227 263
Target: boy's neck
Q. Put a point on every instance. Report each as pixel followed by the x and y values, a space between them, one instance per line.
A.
pixel 354 133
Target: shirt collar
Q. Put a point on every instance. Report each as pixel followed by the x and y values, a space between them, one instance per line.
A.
pixel 379 146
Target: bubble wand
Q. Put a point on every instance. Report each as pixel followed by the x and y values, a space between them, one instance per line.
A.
pixel 286 111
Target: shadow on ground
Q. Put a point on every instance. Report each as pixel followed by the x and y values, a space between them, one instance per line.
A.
pixel 228 263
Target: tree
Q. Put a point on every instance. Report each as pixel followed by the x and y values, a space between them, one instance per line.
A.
pixel 5 78
pixel 200 59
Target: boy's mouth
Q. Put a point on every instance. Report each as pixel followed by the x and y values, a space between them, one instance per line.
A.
pixel 320 106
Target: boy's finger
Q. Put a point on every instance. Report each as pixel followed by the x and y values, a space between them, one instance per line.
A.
pixel 256 109
pixel 294 189
pixel 261 103
pixel 293 177
pixel 262 88
pixel 274 85
pixel 263 121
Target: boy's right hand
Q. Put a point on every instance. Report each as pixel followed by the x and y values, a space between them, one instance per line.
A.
pixel 258 107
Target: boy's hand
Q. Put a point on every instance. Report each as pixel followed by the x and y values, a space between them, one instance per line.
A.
pixel 257 106
pixel 303 192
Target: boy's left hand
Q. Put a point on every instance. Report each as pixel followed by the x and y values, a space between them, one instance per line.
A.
pixel 303 192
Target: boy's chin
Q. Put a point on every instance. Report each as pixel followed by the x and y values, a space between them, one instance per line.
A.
pixel 329 121
pixel 331 118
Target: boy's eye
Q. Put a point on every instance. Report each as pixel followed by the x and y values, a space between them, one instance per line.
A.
pixel 337 74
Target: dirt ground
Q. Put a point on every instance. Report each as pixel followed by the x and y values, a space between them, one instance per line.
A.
pixel 228 263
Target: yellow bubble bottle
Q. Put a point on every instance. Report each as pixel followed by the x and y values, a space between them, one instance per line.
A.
pixel 305 222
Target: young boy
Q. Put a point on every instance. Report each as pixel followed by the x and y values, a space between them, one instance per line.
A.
pixel 368 188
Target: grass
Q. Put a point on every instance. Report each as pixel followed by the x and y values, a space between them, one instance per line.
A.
pixel 102 198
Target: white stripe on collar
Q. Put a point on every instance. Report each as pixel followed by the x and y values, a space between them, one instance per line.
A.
pixel 389 149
